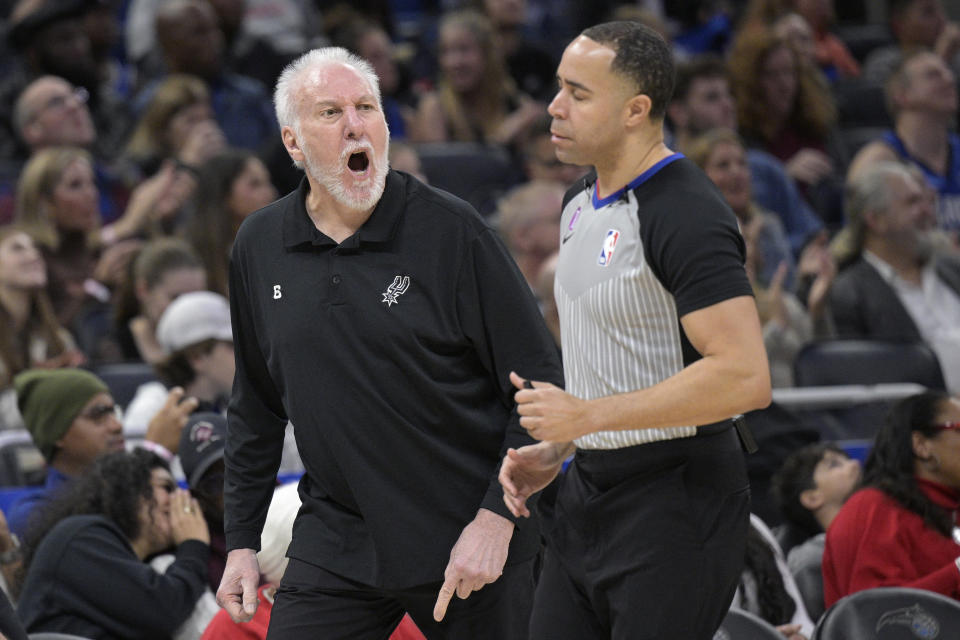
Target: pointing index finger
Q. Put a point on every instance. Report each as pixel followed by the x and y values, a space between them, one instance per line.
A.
pixel 443 598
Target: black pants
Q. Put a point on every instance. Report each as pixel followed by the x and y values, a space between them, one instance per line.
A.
pixel 314 603
pixel 646 542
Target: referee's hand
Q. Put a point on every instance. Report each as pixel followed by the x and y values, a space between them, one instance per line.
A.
pixel 548 412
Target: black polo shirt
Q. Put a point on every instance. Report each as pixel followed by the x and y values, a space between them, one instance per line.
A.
pixel 390 353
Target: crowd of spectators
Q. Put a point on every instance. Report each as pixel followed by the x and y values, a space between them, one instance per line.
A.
pixel 137 136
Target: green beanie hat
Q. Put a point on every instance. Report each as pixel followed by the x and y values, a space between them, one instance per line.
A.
pixel 50 400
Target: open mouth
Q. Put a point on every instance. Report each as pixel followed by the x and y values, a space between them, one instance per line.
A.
pixel 358 162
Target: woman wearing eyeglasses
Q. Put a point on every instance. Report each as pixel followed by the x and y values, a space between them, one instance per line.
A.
pixel 85 563
pixel 901 529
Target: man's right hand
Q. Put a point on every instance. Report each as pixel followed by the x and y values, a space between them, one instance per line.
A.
pixel 529 469
pixel 238 588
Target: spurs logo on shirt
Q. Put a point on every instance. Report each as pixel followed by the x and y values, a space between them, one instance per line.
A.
pixel 395 290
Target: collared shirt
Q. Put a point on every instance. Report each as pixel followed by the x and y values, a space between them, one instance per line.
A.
pixel 390 354
pixel 631 265
pixel 934 308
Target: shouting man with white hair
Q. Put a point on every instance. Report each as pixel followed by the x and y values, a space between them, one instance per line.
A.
pixel 382 317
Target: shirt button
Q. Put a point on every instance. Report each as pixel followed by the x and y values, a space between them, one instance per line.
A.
pixel 335 279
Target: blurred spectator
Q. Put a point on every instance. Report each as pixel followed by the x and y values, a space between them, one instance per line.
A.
pixel 475 100
pixel 11 562
pixel 721 155
pixel 287 26
pixel 274 540
pixel 72 419
pixel 784 108
pixel 794 29
pixel 370 41
pixel 767 588
pixel 50 38
pixel 57 203
pixel 245 52
pixel 163 270
pixel 201 456
pixel 86 573
pixel 230 186
pixel 192 43
pixel 195 335
pixel 540 156
pixel 831 54
pixel 528 62
pixel 404 157
pixel 543 288
pixel 51 112
pixel 810 488
pixel 916 25
pixel 894 285
pixel 922 98
pixel 787 325
pixel 898 530
pixel 702 101
pixel 528 218
pixel 30 335
pixel 177 124
pixel 101 22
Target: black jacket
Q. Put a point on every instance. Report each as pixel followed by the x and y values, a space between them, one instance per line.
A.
pixel 86 580
pixel 865 306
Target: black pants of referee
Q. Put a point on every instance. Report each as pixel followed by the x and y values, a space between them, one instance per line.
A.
pixel 312 603
pixel 646 542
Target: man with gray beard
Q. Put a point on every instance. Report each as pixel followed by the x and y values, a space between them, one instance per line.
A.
pixel 382 317
pixel 896 285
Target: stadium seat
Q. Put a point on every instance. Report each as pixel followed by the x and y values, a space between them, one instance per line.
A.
pixel 477 173
pixel 741 625
pixel 833 362
pixel 863 362
pixel 123 378
pixel 890 613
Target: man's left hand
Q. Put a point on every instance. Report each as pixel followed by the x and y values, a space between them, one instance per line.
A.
pixel 476 559
pixel 548 412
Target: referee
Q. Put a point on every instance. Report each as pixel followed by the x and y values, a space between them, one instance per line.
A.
pixel 661 348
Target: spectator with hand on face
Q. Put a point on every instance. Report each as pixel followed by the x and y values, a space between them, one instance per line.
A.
pixel 86 573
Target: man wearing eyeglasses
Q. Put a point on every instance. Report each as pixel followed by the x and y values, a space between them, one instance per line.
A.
pixel 72 419
pixel 52 112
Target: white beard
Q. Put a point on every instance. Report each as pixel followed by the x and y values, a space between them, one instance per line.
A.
pixel 360 197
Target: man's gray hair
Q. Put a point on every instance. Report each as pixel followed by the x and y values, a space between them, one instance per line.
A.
pixel 870 191
pixel 289 82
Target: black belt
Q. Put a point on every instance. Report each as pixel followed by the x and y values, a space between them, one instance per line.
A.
pixel 747 441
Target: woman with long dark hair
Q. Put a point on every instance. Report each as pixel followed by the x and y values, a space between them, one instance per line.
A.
pixel 901 529
pixel 230 186
pixel 84 565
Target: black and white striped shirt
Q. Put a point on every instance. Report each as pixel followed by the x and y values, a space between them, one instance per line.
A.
pixel 631 265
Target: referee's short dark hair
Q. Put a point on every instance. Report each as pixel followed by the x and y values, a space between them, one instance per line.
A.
pixel 643 56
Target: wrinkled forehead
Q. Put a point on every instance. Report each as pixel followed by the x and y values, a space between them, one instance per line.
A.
pixel 43 89
pixel 334 81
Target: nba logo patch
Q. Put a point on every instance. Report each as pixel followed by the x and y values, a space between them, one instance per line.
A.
pixel 609 245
